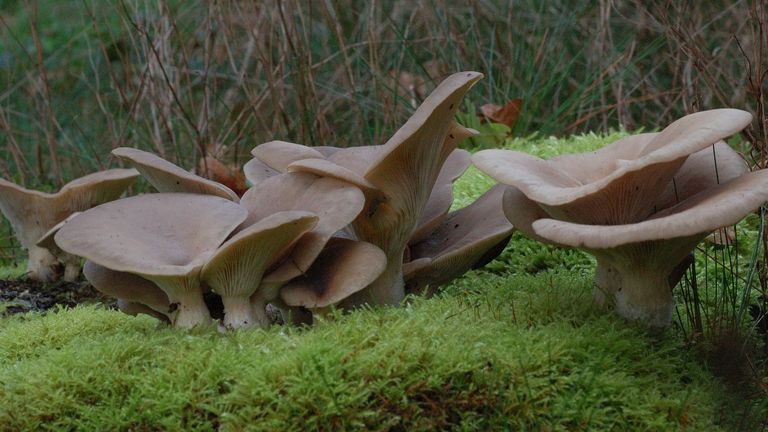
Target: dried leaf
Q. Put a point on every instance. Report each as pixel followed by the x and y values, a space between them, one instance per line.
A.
pixel 506 115
pixel 233 178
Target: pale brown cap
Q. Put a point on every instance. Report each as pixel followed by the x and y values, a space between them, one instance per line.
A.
pixel 255 171
pixel 165 238
pixel 167 177
pixel 601 188
pixel 468 238
pixel 237 267
pixel 343 268
pixel 335 203
pixel 718 206
pixel 279 154
pixel 702 170
pixel 127 286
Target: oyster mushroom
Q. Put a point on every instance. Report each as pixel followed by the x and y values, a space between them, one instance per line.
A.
pixel 236 268
pixel 618 183
pixel 165 238
pixel 167 177
pixel 71 262
pixel 396 178
pixel 336 203
pixel 646 253
pixel 34 213
pixel 629 182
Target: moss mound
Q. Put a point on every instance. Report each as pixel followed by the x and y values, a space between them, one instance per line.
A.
pixel 520 352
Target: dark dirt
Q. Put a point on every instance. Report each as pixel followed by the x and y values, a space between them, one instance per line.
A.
pixel 24 295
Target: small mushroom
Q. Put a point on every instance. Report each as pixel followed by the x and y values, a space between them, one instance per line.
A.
pixel 335 202
pixel 165 238
pixel 343 268
pixel 237 267
pixel 33 213
pixel 167 177
pixel 467 238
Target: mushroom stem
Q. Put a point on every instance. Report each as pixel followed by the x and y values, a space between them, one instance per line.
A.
pixel 41 264
pixel 190 309
pixel 292 315
pixel 387 289
pixel 607 282
pixel 240 312
pixel 645 295
pixel 71 269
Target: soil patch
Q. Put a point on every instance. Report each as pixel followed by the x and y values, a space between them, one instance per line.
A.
pixel 24 295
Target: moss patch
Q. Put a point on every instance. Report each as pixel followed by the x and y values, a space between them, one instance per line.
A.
pixel 491 352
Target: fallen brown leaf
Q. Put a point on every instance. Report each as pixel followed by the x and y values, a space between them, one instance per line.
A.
pixel 506 115
pixel 231 177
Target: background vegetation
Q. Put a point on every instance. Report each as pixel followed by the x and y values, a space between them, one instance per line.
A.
pixel 186 79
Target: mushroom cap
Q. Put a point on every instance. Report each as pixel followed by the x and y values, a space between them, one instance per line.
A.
pixel 408 165
pixel 167 177
pixel 33 213
pixel 335 203
pixel 126 286
pixel 47 241
pixel 700 171
pixel 164 234
pixel 237 267
pixel 619 183
pixel 470 236
pixel 279 154
pixel 705 168
pixel 326 168
pixel 255 171
pixel 718 206
pixel 441 198
pixel 343 268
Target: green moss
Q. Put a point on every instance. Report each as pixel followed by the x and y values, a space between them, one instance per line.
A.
pixel 491 352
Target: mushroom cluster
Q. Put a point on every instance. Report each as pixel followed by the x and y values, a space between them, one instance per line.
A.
pixel 319 226
pixel 407 186
pixel 639 205
pixel 33 214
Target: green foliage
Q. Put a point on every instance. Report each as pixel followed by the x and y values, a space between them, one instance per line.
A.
pixel 492 352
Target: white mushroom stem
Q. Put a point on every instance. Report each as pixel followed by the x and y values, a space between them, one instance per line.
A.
pixel 645 296
pixel 387 289
pixel 41 264
pixel 607 282
pixel 71 267
pixel 190 309
pixel 241 312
